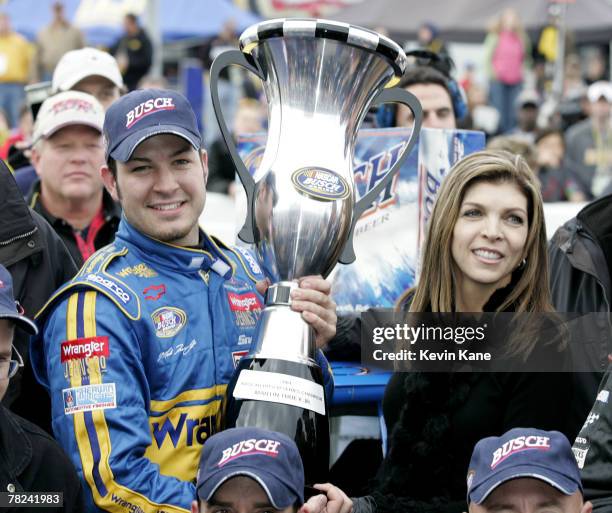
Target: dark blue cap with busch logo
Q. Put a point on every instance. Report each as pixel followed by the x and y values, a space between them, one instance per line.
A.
pixel 270 458
pixel 144 113
pixel 522 452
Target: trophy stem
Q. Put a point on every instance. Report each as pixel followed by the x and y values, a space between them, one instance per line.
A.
pixel 282 333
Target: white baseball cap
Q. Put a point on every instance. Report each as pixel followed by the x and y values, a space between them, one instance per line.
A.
pixel 598 89
pixel 86 62
pixel 66 109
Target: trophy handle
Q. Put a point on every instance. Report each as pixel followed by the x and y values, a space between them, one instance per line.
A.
pixel 221 62
pixel 395 95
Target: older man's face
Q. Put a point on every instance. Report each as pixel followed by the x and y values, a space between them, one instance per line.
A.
pixel 528 495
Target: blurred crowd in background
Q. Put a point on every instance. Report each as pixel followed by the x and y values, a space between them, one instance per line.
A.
pixel 538 91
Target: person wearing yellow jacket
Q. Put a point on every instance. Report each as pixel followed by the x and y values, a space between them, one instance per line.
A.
pixel 16 55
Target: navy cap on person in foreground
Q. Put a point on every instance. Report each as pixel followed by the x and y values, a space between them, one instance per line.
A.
pixel 271 459
pixel 522 453
pixel 8 306
pixel 144 113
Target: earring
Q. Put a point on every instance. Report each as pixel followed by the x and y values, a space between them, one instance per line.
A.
pixel 522 264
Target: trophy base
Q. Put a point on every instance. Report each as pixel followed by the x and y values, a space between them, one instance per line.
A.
pixel 288 397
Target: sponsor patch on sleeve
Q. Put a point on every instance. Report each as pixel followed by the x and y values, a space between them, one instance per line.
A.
pixel 81 348
pixel 89 398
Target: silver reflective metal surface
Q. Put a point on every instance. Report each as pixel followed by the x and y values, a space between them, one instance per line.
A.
pixel 318 91
pixel 320 77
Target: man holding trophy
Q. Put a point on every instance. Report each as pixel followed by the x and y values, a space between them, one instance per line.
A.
pixel 138 349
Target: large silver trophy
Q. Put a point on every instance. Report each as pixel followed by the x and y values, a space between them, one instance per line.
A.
pixel 320 78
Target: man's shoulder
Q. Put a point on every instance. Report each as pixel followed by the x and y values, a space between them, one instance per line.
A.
pixel 578 130
pixel 102 273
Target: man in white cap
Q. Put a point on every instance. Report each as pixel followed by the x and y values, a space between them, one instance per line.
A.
pixel 87 70
pixel 67 154
pixel 90 71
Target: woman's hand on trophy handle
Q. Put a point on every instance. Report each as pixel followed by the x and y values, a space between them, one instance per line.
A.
pixel 313 300
pixel 334 501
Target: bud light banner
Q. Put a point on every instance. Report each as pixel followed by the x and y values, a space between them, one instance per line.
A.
pixel 387 234
pixel 438 151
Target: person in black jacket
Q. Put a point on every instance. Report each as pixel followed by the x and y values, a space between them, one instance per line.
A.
pixel 485 252
pixel 580 254
pixel 30 460
pixel 133 52
pixel 39 264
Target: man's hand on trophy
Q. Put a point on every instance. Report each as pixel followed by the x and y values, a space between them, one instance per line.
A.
pixel 313 300
pixel 318 309
pixel 331 500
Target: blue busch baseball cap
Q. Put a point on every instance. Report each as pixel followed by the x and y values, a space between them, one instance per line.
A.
pixel 272 459
pixel 522 452
pixel 144 113
pixel 8 307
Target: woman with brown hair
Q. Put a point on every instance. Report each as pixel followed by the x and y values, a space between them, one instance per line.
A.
pixel 485 252
pixel 494 197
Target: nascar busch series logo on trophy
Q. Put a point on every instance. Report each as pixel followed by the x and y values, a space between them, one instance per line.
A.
pixel 320 78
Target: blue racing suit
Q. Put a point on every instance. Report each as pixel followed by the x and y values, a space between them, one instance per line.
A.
pixel 136 352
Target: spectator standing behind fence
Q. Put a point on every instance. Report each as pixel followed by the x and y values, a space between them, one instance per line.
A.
pixel 133 52
pixel 54 40
pixel 507 54
pixel 15 65
pixel 589 143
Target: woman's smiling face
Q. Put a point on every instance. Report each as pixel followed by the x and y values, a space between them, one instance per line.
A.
pixel 489 235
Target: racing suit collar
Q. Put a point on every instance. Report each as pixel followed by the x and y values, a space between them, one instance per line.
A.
pixel 209 257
